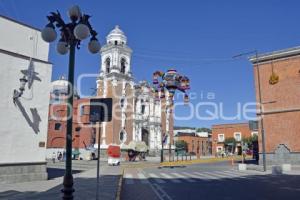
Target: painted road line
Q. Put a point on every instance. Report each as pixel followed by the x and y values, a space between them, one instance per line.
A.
pixel 183 177
pixel 170 178
pixel 142 178
pixel 160 193
pixel 156 178
pixel 222 174
pixel 230 174
pixel 188 174
pixel 216 174
pixel 238 174
pixel 129 179
pixel 203 176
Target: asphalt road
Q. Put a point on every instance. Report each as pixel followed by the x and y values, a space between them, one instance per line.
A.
pixel 215 181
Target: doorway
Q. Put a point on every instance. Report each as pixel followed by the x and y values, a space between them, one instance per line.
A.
pixel 145 136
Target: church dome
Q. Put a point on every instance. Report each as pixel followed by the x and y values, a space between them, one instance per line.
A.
pixel 60 87
pixel 116 36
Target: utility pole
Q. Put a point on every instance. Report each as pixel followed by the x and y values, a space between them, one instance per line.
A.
pixel 256 65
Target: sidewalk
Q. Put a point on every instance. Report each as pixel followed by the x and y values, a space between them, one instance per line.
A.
pixel 84 184
pixel 295 168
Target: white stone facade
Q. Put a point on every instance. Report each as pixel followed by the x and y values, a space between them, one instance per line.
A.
pixel 140 116
pixel 24 124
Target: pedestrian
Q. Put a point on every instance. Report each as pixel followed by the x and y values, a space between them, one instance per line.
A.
pixel 53 157
pixel 244 155
pixel 59 156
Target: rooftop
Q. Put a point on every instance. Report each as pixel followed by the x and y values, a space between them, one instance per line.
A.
pixel 284 53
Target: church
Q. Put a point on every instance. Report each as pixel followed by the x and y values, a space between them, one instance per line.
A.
pixel 138 115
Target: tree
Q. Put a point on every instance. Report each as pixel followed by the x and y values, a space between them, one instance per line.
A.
pixel 181 145
pixel 182 127
pixel 203 129
pixel 230 144
pixel 250 140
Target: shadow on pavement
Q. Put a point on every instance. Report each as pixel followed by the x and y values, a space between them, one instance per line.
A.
pixel 250 187
pixel 56 172
pixel 249 161
pixel 85 188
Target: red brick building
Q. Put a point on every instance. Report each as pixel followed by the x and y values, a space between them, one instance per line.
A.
pixel 277 84
pixel 200 146
pixel 137 114
pixel 221 132
pixel 84 134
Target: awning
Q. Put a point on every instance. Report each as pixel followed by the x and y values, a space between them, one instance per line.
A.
pixel 139 146
pixel 75 152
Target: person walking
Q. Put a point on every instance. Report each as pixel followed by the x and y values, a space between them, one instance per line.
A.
pixel 53 157
pixel 60 156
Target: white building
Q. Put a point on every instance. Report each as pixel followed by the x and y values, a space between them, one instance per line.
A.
pixel 24 121
pixel 138 116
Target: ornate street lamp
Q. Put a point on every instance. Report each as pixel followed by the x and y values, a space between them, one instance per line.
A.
pixel 71 35
pixel 170 81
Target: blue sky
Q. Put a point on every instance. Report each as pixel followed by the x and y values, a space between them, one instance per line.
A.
pixel 198 38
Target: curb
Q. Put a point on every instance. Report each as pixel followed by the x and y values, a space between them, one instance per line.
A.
pixel 118 196
pixel 198 161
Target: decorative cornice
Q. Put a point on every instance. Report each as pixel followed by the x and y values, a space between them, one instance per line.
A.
pixel 285 53
pixel 124 48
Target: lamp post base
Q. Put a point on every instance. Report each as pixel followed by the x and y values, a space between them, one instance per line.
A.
pixel 68 187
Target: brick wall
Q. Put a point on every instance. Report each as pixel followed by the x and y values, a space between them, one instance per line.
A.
pixel 281 102
pixel 83 133
pixel 196 144
pixel 228 130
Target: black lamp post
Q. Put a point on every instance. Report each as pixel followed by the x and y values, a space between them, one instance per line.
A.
pixel 71 35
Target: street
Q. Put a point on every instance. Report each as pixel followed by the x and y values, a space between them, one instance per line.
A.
pixel 207 181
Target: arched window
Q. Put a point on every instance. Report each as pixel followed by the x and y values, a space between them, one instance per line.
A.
pixel 123 65
pixel 107 65
pixel 123 136
pixel 142 107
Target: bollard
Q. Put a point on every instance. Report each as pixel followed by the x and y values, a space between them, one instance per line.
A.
pixel 190 157
pixel 177 157
pixel 181 157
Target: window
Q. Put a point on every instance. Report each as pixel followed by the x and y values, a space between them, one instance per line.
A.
pixel 192 145
pixel 107 65
pixel 123 65
pixel 219 149
pixel 123 136
pixel 142 107
pixel 221 138
pixel 122 102
pixel 57 126
pixel 238 136
pixel 81 110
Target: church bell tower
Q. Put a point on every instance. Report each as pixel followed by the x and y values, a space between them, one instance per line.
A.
pixel 115 81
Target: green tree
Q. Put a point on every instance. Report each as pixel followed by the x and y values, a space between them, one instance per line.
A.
pixel 230 144
pixel 181 145
pixel 250 140
pixel 203 129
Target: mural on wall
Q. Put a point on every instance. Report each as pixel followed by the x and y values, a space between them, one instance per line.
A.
pixel 29 76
